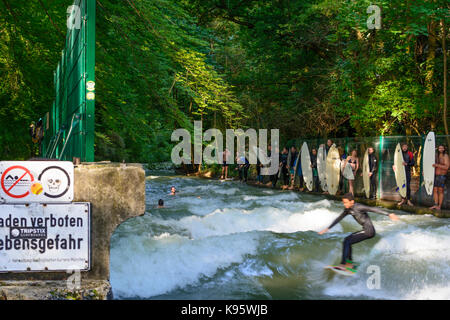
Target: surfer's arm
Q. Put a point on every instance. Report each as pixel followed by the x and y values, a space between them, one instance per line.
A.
pixel 379 211
pixel 342 215
pixel 336 221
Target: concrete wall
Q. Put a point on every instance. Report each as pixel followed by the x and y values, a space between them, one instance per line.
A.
pixel 116 193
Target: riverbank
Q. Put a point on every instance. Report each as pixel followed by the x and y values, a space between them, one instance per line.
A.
pixel 392 205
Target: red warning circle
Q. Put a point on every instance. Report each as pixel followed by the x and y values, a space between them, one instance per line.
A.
pixel 8 189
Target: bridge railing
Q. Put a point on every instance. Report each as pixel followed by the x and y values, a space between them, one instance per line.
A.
pixel 69 125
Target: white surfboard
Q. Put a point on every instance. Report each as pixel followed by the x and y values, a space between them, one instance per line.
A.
pixel 366 178
pixel 322 167
pixel 400 173
pixel 428 161
pixel 333 169
pixel 306 166
pixel 348 172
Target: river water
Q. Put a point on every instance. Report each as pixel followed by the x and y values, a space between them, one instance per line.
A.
pixel 225 240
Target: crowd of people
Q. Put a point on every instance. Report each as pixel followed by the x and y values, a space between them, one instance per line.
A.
pixel 290 174
pixel 290 170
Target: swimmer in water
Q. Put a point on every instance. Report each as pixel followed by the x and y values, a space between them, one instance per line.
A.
pixel 173 191
pixel 160 204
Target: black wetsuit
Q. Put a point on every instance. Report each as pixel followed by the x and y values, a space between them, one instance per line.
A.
pixel 373 179
pixel 409 163
pixel 315 173
pixel 274 177
pixel 243 170
pixel 359 212
pixel 284 169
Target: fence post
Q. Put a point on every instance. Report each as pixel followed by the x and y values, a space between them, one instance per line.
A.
pixel 380 167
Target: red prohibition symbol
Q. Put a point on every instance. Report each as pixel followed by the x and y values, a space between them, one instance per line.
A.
pixel 8 191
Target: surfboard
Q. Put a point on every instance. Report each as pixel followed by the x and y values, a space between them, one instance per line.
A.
pixel 322 167
pixel 365 169
pixel 348 172
pixel 400 174
pixel 333 170
pixel 341 271
pixel 428 156
pixel 306 167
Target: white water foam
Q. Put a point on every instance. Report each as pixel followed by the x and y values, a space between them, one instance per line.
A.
pixel 230 221
pixel 167 262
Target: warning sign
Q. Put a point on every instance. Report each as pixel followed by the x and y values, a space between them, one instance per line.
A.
pixel 53 237
pixel 36 181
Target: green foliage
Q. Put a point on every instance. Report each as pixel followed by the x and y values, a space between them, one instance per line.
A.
pixel 311 68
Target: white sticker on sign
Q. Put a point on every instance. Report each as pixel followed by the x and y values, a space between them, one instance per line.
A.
pixel 36 181
pixel 36 237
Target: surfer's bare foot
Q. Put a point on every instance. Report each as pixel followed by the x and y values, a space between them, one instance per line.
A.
pixel 410 203
pixel 433 207
pixel 401 202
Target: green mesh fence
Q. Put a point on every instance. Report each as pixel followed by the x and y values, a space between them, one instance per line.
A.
pixel 69 125
pixel 384 147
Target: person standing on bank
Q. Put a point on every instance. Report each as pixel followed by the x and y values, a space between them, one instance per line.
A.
pixel 225 156
pixel 316 182
pixel 292 165
pixel 408 162
pixel 354 162
pixel 373 166
pixel 284 167
pixel 441 166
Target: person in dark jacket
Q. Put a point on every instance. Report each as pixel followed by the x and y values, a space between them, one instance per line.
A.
pixel 408 162
pixel 359 213
pixel 292 164
pixel 373 166
pixel 316 182
pixel 284 167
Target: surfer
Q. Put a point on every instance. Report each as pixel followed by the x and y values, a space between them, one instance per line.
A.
pixel 343 157
pixel 243 166
pixel 259 177
pixel 225 156
pixel 354 162
pixel 408 162
pixel 359 213
pixel 372 170
pixel 441 166
pixel 328 146
pixel 284 167
pixel 274 177
pixel 292 164
pixel 314 169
